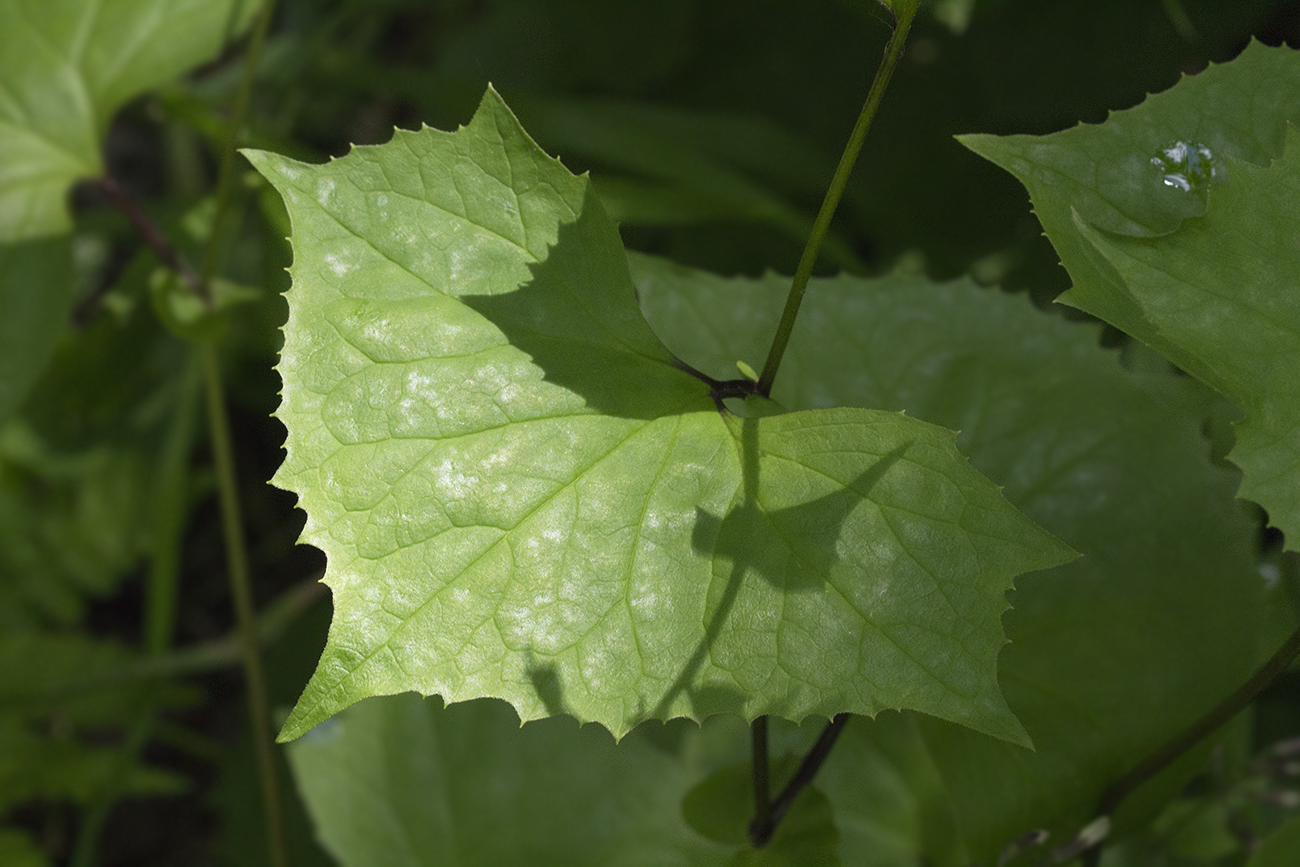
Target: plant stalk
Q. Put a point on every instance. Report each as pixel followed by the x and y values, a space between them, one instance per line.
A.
pixel 225 178
pixel 232 524
pixel 807 771
pixel 169 494
pixel 893 51
pixel 760 829
pixel 1217 716
pixel 241 590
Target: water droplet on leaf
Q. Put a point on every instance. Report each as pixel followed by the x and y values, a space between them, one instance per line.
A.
pixel 1186 166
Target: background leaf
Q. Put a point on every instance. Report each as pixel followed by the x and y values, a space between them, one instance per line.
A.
pixel 1164 600
pixel 65 67
pixel 402 781
pixel 1236 110
pixel 1106 172
pixel 1278 849
pixel 36 287
pixel 1223 289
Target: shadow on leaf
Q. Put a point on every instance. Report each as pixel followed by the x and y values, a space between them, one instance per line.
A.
pixel 793 548
pixel 579 320
pixel 545 678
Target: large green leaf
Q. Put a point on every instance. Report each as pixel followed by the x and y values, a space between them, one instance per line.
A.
pixel 401 781
pixel 1119 176
pixel 1225 288
pixel 65 67
pixel 1164 601
pixel 522 494
pixel 1215 296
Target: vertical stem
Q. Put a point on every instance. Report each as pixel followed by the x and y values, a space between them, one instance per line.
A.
pixel 224 455
pixel 893 51
pixel 170 491
pixel 241 590
pixel 225 180
pixel 760 829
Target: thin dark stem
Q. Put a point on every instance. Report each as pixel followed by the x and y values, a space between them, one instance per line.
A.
pixel 232 523
pixel 807 771
pixel 811 765
pixel 893 51
pixel 154 238
pixel 1196 732
pixel 241 589
pixel 761 827
pixel 225 179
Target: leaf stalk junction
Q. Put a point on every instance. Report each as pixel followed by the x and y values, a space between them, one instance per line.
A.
pixel 903 15
pixel 768 813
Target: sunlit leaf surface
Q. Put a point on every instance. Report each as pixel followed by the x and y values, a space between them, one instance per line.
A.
pixel 523 494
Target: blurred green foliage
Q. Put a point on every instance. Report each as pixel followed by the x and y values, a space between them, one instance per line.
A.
pixel 710 129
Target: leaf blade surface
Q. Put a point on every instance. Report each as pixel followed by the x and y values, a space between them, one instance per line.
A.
pixel 1176 258
pixel 523 494
pixel 1226 289
pixel 1165 599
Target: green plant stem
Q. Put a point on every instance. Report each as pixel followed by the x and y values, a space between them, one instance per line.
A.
pixel 761 827
pixel 232 525
pixel 802 778
pixel 241 590
pixel 893 51
pixel 170 492
pixel 1196 732
pixel 225 179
